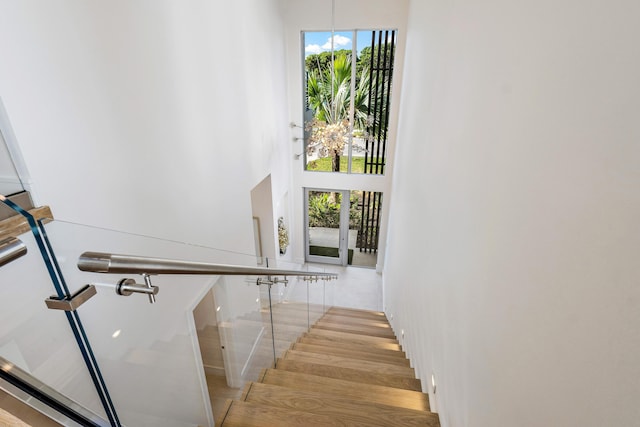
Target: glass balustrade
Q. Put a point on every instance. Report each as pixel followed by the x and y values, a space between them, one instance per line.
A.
pixel 164 364
pixel 37 340
pixel 297 305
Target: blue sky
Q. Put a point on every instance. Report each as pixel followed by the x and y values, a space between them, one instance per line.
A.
pixel 320 41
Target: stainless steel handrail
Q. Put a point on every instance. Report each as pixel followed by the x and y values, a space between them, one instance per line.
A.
pixel 10 249
pixel 99 262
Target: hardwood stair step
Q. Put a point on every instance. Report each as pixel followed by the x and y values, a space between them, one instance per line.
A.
pixel 321 341
pixel 336 318
pixel 353 312
pixel 348 369
pixel 338 387
pixel 349 374
pixel 347 362
pixel 347 338
pixel 350 336
pixel 356 329
pixel 354 354
pixel 246 414
pixel 350 410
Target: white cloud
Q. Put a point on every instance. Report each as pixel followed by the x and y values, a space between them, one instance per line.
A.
pixel 338 42
pixel 312 48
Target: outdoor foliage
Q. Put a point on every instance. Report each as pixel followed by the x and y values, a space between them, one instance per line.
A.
pixel 329 96
pixel 324 164
pixel 324 210
pixel 322 61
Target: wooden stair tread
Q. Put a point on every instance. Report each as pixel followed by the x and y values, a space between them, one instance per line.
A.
pixel 16 224
pixel 354 354
pixel 247 414
pixel 320 341
pixel 349 410
pixel 347 341
pixel 348 369
pixel 350 320
pixel 351 337
pixel 353 312
pixel 349 374
pixel 8 419
pixel 373 331
pixel 347 362
pixel 408 399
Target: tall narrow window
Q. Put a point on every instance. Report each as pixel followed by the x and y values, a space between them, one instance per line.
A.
pixel 348 80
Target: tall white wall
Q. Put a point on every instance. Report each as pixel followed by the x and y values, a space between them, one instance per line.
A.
pixel 155 117
pixel 513 247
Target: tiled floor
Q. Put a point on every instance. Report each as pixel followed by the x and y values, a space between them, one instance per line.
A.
pixel 328 237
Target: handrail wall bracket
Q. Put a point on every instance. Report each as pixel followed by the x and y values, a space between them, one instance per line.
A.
pixel 272 281
pixel 127 287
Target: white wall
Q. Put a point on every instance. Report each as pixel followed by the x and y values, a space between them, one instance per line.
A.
pixel 155 117
pixel 262 208
pixel 514 240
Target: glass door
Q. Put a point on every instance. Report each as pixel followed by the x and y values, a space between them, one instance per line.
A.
pixel 327 226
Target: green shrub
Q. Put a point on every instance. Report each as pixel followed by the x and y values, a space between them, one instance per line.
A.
pixel 324 210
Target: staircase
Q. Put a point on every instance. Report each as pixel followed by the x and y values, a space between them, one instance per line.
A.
pixel 347 370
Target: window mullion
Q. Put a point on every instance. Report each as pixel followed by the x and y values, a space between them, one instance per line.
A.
pixel 354 52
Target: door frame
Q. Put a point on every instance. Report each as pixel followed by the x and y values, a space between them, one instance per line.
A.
pixel 343 234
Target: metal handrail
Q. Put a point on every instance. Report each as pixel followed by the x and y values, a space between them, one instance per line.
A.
pixel 10 249
pixel 99 262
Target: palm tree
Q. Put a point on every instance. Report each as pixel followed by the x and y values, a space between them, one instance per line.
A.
pixel 329 96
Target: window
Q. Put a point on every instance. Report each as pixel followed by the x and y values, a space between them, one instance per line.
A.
pixel 342 226
pixel 348 81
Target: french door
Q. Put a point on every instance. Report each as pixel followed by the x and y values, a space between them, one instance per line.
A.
pixel 327 226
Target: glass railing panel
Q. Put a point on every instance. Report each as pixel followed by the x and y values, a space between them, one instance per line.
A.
pixel 247 329
pixel 163 364
pixel 329 293
pixel 36 339
pixel 317 300
pixel 291 309
pixel 312 292
pixel 152 356
pixel 37 404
